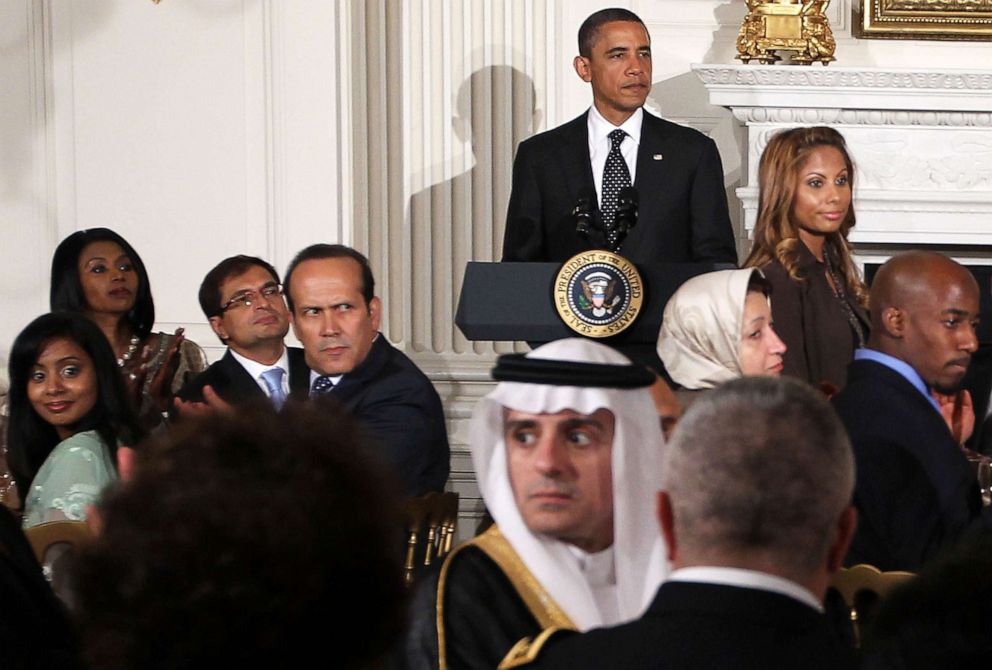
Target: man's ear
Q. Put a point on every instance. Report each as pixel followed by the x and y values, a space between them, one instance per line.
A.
pixel 666 519
pixel 846 525
pixel 292 322
pixel 581 64
pixel 894 321
pixel 217 324
pixel 375 311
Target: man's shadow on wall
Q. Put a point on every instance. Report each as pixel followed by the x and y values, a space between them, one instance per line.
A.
pixel 495 109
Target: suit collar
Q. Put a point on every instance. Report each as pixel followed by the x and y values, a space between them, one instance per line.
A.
pixel 733 602
pixel 299 373
pixel 904 369
pixel 654 142
pixel 753 579
pixel 368 369
pixel 573 157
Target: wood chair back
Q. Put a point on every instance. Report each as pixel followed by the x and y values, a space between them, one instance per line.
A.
pixel 863 588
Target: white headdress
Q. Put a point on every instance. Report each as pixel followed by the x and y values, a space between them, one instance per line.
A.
pixel 637 455
pixel 700 338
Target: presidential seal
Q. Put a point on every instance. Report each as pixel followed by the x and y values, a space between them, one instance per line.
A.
pixel 598 293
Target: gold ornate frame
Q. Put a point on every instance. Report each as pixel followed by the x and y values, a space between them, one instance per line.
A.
pixel 923 19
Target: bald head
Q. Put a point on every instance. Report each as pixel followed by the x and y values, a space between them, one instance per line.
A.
pixel 924 311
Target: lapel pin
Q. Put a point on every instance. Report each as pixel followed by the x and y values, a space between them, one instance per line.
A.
pixel 657 157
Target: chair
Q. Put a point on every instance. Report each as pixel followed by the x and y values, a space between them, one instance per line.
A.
pixel 45 536
pixel 863 588
pixel 430 528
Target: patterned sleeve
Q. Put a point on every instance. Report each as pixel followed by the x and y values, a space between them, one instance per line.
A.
pixel 192 361
pixel 70 480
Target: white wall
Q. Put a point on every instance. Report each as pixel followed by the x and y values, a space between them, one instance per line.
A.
pixel 195 128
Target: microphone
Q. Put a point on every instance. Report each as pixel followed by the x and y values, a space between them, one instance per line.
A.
pixel 584 213
pixel 628 201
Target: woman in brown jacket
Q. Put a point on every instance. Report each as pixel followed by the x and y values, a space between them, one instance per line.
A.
pixel 800 242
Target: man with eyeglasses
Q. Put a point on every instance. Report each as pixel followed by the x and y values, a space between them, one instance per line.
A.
pixel 243 301
pixel 335 314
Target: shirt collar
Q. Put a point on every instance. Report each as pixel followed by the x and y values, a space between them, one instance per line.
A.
pixel 907 371
pixel 600 128
pixel 255 369
pixel 750 579
pixel 597 568
pixel 336 379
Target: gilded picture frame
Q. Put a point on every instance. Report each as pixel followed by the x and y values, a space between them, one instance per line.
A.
pixel 923 19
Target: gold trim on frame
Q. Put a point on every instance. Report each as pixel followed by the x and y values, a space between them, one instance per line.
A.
pixel 923 19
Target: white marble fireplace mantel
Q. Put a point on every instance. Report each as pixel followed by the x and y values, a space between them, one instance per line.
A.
pixel 921 141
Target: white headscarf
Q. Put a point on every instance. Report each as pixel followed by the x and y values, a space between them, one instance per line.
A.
pixel 700 338
pixel 638 444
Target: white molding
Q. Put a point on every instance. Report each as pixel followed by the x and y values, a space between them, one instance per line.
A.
pixel 63 115
pixel 44 146
pixel 872 117
pixel 877 88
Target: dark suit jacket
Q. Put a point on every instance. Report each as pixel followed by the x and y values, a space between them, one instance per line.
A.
pixel 683 206
pixel 234 385
pixel 693 625
pixel 916 493
pixel 400 410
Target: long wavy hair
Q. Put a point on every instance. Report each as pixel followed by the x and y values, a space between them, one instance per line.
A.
pixel 776 234
pixel 29 438
pixel 67 289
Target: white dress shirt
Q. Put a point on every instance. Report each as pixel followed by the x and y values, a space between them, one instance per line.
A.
pixel 599 144
pixel 600 572
pixel 255 369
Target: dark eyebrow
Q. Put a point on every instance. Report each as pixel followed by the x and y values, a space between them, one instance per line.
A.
pixel 69 359
pixel 581 422
pixel 954 311
pixel 617 50
pixel 516 424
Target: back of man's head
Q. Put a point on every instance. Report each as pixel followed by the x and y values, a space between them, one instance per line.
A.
pixel 246 541
pixel 758 474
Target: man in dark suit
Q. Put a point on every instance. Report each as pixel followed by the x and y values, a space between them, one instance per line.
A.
pixel 916 493
pixel 335 314
pixel 756 517
pixel 683 213
pixel 242 299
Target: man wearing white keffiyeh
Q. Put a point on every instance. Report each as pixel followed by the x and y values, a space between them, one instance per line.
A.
pixel 567 450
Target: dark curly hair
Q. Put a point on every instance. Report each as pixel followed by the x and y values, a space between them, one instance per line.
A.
pixel 29 438
pixel 67 290
pixel 254 540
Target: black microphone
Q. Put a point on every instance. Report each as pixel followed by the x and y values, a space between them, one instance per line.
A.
pixel 584 213
pixel 628 201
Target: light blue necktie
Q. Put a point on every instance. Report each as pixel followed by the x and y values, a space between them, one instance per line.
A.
pixel 273 381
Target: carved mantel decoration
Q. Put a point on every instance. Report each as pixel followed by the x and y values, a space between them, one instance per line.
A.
pixel 921 141
pixel 923 19
pixel 799 26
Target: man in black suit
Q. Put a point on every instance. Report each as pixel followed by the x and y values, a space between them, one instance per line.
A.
pixel 683 213
pixel 335 314
pixel 756 517
pixel 916 493
pixel 242 299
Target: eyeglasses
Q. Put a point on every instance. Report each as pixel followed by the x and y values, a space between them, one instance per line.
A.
pixel 249 297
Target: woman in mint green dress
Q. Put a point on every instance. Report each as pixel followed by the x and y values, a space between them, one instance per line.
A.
pixel 69 409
